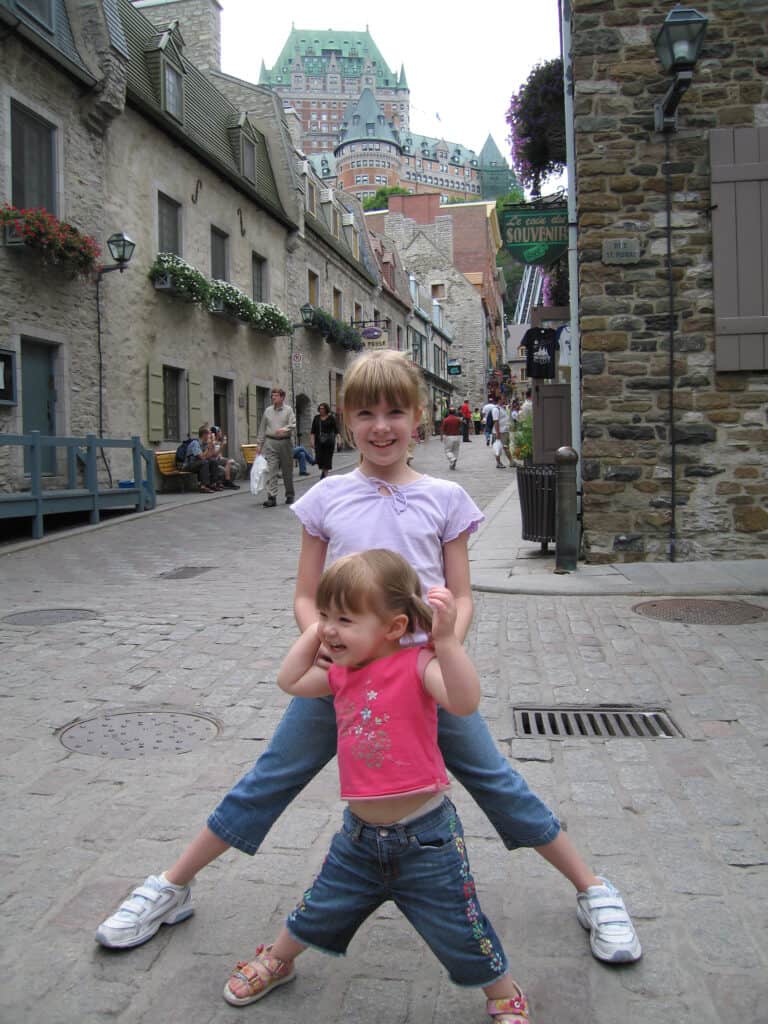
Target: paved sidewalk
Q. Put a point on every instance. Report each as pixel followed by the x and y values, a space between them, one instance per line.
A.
pixel 503 563
pixel 679 824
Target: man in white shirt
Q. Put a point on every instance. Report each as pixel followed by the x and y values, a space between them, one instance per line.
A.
pixel 487 425
pixel 501 431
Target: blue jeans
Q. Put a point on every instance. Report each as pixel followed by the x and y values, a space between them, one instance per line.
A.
pixel 304 455
pixel 423 868
pixel 305 741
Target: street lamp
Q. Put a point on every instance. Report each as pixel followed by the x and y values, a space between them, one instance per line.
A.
pixel 121 250
pixel 678 45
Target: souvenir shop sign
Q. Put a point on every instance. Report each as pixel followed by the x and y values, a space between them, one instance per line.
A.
pixel 537 236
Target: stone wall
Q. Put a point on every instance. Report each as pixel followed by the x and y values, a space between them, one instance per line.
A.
pixel 200 24
pixel 721 506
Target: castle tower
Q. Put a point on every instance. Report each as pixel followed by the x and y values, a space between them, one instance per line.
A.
pixel 368 157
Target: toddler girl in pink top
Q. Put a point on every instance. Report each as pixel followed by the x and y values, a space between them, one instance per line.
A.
pixel 401 839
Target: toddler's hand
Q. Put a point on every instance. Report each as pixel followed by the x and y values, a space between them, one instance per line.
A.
pixel 444 612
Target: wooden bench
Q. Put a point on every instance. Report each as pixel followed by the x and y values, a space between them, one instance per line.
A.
pixel 167 468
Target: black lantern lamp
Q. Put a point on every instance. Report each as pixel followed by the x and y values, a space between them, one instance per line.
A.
pixel 307 314
pixel 678 45
pixel 121 250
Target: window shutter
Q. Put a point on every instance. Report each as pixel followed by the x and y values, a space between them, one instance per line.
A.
pixel 195 395
pixel 739 170
pixel 253 414
pixel 155 401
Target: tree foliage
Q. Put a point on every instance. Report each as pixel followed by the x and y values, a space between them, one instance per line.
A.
pixel 536 116
pixel 380 201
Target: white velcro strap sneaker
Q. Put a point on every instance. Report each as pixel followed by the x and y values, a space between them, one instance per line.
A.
pixel 612 938
pixel 154 903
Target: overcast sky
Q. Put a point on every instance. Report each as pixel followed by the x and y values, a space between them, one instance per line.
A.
pixel 482 49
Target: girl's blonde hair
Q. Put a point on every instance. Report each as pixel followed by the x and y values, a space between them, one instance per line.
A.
pixel 377 581
pixel 384 375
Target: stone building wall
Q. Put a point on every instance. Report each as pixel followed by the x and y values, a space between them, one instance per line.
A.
pixel 424 250
pixel 720 417
pixel 200 23
pixel 39 301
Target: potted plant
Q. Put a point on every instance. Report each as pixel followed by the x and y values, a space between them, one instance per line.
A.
pixel 334 330
pixel 57 241
pixel 172 274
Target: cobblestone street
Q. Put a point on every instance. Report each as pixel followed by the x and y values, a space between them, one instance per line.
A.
pixel 679 825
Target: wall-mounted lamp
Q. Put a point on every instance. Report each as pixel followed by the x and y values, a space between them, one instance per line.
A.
pixel 678 44
pixel 121 250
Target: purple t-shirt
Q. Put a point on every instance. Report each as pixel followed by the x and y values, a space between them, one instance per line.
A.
pixel 415 520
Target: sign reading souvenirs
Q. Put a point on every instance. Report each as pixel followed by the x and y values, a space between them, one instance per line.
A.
pixel 537 235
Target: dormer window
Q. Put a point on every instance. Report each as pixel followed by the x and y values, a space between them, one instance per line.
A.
pixel 249 160
pixel 173 98
pixel 40 10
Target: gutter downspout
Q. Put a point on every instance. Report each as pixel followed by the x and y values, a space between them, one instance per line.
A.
pixel 573 255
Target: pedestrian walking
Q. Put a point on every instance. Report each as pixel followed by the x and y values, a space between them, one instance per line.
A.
pixel 477 420
pixel 369 605
pixel 322 437
pixel 450 430
pixel 501 430
pixel 487 413
pixel 466 420
pixel 274 442
pixel 428 521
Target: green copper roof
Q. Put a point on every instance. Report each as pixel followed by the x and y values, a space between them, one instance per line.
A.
pixel 351 51
pixel 491 155
pixel 427 146
pixel 364 120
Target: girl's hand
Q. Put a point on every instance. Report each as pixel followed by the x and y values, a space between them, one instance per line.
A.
pixel 444 608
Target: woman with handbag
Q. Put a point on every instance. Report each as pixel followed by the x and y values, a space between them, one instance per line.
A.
pixel 322 437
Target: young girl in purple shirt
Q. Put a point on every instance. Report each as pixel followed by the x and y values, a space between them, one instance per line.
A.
pixel 428 521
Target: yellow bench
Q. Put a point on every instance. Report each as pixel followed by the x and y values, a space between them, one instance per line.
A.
pixel 167 468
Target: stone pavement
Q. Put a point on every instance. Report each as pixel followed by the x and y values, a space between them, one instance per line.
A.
pixel 678 824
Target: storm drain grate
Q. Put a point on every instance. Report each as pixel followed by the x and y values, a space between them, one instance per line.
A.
pixel 49 616
pixel 186 572
pixel 612 723
pixel 139 733
pixel 701 613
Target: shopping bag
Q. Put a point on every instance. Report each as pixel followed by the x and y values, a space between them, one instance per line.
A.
pixel 497 448
pixel 258 475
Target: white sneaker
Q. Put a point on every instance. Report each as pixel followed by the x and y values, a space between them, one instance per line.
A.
pixel 612 935
pixel 155 902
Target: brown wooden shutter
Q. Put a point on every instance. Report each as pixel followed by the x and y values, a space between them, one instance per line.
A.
pixel 551 420
pixel 739 169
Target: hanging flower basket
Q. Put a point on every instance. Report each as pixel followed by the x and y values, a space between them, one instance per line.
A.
pixel 335 331
pixel 57 241
pixel 268 319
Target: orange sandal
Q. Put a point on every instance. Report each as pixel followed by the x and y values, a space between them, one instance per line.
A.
pixel 512 1010
pixel 257 977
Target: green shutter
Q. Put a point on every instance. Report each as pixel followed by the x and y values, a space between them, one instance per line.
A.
pixel 253 414
pixel 195 396
pixel 155 401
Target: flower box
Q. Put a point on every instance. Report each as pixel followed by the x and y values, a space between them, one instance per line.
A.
pixel 166 283
pixel 219 307
pixel 13 235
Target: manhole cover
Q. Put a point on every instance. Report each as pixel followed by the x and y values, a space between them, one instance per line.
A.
pixel 703 613
pixel 186 572
pixel 139 733
pixel 602 722
pixel 49 616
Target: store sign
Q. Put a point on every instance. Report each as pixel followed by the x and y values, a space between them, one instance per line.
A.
pixel 374 337
pixel 454 369
pixel 370 333
pixel 535 236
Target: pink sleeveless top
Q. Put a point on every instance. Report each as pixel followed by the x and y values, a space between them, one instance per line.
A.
pixel 387 728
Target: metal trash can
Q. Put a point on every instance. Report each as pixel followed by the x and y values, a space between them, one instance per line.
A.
pixel 537 488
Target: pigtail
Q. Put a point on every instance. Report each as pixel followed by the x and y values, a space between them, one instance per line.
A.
pixel 419 615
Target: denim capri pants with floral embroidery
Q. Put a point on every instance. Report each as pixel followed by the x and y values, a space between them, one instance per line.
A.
pixel 423 868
